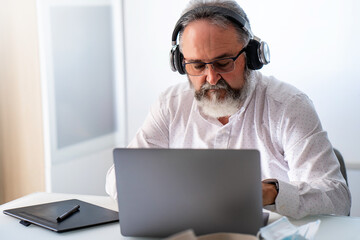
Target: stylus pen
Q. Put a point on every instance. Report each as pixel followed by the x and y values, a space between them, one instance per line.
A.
pixel 67 214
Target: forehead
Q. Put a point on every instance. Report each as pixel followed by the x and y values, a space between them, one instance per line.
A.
pixel 203 40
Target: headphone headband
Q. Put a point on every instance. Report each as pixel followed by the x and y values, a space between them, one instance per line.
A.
pixel 227 13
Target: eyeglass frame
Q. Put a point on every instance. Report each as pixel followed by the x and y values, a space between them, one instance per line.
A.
pixel 211 63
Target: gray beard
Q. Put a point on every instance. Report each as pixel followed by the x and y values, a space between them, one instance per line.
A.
pixel 216 105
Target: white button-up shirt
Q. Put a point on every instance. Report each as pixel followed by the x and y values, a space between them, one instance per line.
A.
pixel 279 121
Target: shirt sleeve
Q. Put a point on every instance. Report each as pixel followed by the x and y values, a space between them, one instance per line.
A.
pixel 316 185
pixel 154 133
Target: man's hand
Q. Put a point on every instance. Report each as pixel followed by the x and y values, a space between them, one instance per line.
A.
pixel 269 193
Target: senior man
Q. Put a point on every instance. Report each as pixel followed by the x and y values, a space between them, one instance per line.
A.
pixel 228 104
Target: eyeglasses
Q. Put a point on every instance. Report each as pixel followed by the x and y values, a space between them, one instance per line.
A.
pixel 222 65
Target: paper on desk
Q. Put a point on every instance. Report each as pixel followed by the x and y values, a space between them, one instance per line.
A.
pixel 189 235
pixel 282 229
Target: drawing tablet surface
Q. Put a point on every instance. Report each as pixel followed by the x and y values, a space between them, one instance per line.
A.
pixel 45 215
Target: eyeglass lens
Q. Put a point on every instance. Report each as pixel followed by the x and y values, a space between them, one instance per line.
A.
pixel 220 66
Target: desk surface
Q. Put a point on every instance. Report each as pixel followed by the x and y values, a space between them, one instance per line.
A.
pixel 331 227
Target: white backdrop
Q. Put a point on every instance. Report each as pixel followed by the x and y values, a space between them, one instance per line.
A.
pixel 313 46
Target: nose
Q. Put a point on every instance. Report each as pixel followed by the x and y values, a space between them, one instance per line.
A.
pixel 212 77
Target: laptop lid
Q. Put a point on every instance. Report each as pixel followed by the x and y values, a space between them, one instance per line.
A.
pixel 166 191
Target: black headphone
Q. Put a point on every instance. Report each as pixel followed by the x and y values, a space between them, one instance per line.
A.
pixel 257 51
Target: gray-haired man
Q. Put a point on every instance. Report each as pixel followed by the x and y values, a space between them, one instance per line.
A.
pixel 228 104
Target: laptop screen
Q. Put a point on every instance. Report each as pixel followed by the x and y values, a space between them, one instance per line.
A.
pixel 165 191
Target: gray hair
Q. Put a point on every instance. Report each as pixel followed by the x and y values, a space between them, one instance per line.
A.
pixel 214 18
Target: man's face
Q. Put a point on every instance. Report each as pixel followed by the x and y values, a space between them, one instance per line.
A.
pixel 205 42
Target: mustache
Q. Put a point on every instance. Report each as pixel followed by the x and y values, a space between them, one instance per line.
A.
pixel 220 85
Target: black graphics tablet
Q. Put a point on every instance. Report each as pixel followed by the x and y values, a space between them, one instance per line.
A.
pixel 45 215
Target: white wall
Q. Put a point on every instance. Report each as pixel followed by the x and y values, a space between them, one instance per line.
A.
pixel 313 46
pixel 148 28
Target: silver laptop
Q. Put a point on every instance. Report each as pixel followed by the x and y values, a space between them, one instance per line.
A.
pixel 165 191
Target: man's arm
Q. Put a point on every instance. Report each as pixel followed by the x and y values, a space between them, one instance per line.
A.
pixel 316 185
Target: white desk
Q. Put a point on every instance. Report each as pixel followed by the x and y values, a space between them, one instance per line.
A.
pixel 331 227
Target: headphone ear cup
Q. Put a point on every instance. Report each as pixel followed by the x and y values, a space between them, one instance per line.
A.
pixel 172 60
pixel 252 57
pixel 178 60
